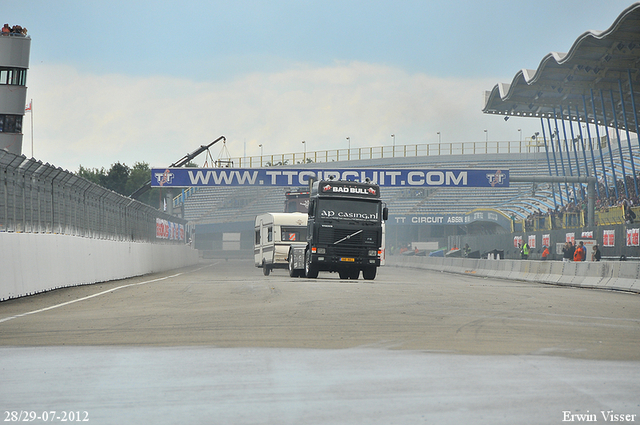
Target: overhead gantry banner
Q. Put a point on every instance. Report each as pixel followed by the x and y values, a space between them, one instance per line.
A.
pixel 276 176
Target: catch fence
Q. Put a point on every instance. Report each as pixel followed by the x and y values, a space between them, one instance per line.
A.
pixel 41 198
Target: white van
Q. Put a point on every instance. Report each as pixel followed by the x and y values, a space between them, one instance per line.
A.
pixel 275 233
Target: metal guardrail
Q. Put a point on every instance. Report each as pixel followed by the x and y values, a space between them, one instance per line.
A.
pixel 40 198
pixel 528 145
pixel 605 217
pixel 377 152
pixel 611 215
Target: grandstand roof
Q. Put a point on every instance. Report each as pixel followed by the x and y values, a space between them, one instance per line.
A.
pixel 606 61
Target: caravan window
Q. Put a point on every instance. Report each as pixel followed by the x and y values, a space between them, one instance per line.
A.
pixel 269 234
pixel 293 234
pixel 258 237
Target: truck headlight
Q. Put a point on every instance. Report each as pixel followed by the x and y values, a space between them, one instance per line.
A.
pixel 321 251
pixel 373 252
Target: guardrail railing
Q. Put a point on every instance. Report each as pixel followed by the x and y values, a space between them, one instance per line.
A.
pixel 528 145
pixel 376 152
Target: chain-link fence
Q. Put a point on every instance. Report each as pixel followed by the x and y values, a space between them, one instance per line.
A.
pixel 41 198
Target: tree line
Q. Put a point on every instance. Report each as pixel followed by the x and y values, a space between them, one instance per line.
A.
pixel 124 180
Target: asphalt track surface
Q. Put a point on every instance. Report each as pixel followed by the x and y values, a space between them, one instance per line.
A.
pixel 221 343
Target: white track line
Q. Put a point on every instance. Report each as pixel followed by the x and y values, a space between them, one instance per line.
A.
pixel 6 319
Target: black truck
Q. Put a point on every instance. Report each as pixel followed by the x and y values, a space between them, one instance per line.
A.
pixel 344 231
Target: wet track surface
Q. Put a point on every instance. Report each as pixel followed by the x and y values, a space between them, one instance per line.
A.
pixel 220 340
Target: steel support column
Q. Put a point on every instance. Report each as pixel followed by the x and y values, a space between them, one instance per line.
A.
pixel 593 158
pixel 606 126
pixel 626 127
pixel 557 133
pixel 546 151
pixel 566 146
pixel 633 106
pixel 555 161
pixel 595 121
pixel 584 154
pixel 615 123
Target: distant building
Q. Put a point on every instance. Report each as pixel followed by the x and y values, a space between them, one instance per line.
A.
pixel 14 62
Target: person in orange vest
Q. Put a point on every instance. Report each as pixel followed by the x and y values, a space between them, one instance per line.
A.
pixel 545 253
pixel 579 253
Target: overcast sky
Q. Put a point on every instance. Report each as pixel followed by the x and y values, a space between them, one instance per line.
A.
pixel 149 81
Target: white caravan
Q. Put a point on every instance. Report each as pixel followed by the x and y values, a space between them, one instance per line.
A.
pixel 275 233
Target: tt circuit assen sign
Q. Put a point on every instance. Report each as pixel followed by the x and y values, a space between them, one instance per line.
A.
pixel 276 176
pixel 452 218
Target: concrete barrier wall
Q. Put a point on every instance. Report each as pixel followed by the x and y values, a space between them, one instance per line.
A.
pixel 624 276
pixel 32 263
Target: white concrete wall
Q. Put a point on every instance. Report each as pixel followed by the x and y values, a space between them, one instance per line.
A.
pixel 32 263
pixel 619 275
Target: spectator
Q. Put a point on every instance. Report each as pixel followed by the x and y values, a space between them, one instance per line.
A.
pixel 629 215
pixel 545 252
pixel 567 253
pixel 16 29
pixel 572 250
pixel 579 253
pixel 596 254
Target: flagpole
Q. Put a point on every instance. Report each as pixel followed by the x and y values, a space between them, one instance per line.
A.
pixel 29 108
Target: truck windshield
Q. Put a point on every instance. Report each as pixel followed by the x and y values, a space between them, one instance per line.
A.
pixel 342 209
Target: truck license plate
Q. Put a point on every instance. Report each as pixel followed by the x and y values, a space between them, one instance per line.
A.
pixel 351 260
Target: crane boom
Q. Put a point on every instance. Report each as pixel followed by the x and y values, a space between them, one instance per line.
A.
pixel 182 161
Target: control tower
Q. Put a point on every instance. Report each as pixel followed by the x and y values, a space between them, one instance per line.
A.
pixel 14 62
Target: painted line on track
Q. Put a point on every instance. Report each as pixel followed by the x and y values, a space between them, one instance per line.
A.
pixel 6 319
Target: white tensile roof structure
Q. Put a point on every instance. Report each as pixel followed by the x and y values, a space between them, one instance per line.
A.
pixel 599 67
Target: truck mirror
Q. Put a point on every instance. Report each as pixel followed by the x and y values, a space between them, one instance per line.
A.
pixel 385 213
pixel 312 205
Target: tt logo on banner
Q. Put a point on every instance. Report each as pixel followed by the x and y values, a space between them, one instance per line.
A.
pixel 164 178
pixel 497 178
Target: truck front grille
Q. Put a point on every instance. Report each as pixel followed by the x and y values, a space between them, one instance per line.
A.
pixel 347 251
pixel 366 238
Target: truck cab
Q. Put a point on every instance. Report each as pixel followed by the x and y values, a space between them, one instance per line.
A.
pixel 344 230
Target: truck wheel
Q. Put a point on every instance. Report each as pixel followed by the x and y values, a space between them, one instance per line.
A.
pixel 265 269
pixel 369 273
pixel 344 274
pixel 292 271
pixel 354 274
pixel 310 270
